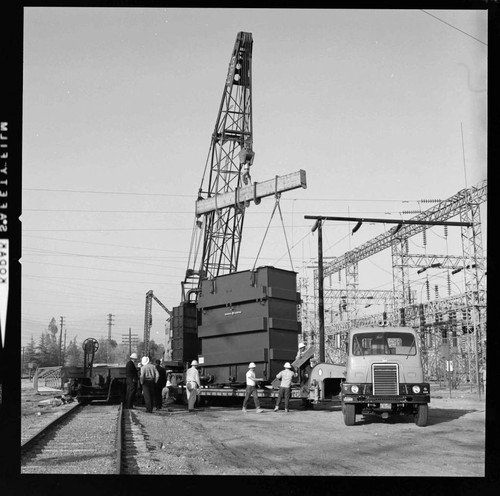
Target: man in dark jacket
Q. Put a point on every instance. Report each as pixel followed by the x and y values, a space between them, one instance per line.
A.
pixel 160 384
pixel 132 376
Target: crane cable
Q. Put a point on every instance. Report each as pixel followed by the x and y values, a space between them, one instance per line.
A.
pixel 276 205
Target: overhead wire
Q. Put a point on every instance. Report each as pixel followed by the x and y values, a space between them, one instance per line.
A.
pixel 454 27
pixel 104 192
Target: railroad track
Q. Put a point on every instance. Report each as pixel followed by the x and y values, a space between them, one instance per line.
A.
pixel 85 440
pixel 89 439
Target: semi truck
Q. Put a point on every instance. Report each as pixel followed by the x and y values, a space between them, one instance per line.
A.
pixel 384 375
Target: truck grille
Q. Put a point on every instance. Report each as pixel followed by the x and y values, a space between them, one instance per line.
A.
pixel 385 379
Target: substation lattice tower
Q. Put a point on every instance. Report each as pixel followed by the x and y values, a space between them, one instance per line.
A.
pixel 438 319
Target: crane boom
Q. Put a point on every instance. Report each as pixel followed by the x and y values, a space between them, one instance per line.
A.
pixel 226 188
pixel 227 168
pixel 148 318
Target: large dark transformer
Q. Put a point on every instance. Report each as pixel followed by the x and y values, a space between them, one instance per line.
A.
pixel 248 316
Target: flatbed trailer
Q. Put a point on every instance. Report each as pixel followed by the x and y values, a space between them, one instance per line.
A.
pixel 240 392
pixel 323 385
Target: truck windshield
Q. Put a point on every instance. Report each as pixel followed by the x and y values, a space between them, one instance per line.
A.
pixel 383 343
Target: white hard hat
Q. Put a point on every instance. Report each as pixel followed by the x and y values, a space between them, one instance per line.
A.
pixel 251 365
pixel 302 345
pixel 194 362
pixel 145 360
pixel 133 355
pixel 287 365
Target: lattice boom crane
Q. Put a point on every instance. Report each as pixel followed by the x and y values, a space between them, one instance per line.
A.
pixel 226 188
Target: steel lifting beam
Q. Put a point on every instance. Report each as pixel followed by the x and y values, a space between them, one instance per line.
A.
pixel 254 191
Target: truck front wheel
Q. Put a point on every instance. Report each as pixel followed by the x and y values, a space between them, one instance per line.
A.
pixel 349 414
pixel 421 415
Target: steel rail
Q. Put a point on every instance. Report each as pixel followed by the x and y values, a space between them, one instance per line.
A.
pixel 28 444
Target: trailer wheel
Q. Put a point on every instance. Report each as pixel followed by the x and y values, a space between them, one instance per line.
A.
pixel 421 415
pixel 349 412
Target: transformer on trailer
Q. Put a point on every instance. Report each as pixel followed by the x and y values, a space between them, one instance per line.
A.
pixel 225 192
pixel 248 316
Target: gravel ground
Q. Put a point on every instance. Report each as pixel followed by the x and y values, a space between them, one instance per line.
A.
pixel 35 416
pixel 222 440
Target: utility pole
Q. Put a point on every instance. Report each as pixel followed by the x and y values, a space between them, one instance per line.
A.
pixel 60 341
pixel 321 301
pixel 22 362
pixel 64 347
pixel 110 323
pixel 129 341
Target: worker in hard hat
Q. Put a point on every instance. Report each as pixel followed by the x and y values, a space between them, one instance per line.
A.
pixel 302 349
pixel 192 385
pixel 149 377
pixel 285 376
pixel 251 390
pixel 132 379
pixel 304 371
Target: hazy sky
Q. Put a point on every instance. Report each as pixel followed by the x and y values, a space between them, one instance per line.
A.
pixel 119 107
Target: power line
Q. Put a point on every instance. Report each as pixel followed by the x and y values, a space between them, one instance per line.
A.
pixel 105 211
pixel 111 230
pixel 137 229
pixel 41 252
pixel 164 212
pixel 454 27
pixel 194 196
pixel 105 269
pixel 128 262
pixel 104 192
pixel 100 244
pixel 122 281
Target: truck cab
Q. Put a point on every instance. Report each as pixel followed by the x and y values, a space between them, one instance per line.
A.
pixel 384 375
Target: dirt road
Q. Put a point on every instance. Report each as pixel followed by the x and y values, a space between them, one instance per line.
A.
pixel 225 441
pixel 221 440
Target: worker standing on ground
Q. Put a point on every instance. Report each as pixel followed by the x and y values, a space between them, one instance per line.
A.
pixel 160 384
pixel 132 377
pixel 149 377
pixel 252 389
pixel 286 376
pixel 192 385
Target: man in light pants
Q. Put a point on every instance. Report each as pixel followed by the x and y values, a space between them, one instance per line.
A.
pixel 286 377
pixel 252 389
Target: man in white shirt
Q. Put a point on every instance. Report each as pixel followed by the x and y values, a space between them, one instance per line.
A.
pixel 286 376
pixel 192 385
pixel 252 388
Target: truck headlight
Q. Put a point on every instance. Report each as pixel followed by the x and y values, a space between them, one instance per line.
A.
pixel 354 389
pixel 416 389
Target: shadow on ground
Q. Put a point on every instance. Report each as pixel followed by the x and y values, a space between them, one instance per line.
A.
pixel 436 416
